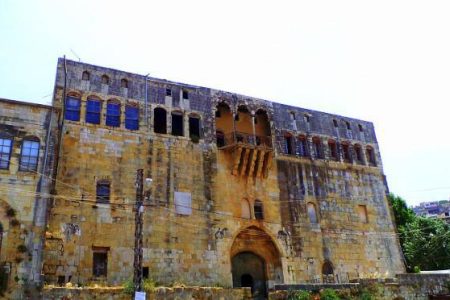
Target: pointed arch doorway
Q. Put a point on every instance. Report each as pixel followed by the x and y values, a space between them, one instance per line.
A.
pixel 255 261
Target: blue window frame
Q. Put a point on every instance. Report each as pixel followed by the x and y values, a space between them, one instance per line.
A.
pixel 93 109
pixel 5 152
pixel 113 114
pixel 103 191
pixel 29 155
pixel 131 117
pixel 72 109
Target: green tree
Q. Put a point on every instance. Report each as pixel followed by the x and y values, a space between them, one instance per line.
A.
pixel 425 242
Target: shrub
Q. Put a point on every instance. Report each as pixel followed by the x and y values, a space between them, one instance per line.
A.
pixel 128 287
pixel 298 295
pixel 148 284
pixel 329 294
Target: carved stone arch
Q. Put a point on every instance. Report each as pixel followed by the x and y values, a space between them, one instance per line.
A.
pixel 74 94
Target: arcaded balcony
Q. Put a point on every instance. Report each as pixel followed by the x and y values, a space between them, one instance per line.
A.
pixel 242 139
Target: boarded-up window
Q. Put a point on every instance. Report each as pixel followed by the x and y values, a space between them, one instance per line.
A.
pixel 131 117
pixel 245 209
pixel 312 214
pixel 362 213
pixel 72 109
pixel 113 114
pixel 93 109
pixel 183 203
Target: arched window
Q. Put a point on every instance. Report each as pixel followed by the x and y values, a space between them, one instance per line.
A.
pixel 346 154
pixel 327 272
pixel 332 146
pixel 259 210
pixel 245 209
pixel 224 122
pixel 105 79
pixel 358 154
pixel 29 154
pixel 317 146
pixel 72 112
pixel 312 214
pixel 6 143
pixel 194 127
pixel 93 110
pixel 288 144
pixel 113 113
pixel 103 191
pixel 177 123
pixel 371 156
pixel 160 120
pixel 132 117
pixel 124 83
pixel 85 76
pixel 302 146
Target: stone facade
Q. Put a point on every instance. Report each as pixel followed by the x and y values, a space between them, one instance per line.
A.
pixel 25 166
pixel 245 192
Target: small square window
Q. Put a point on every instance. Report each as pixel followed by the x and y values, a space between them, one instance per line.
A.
pixel 168 92
pixel 360 127
pixel 185 95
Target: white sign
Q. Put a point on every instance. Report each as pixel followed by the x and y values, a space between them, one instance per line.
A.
pixel 139 296
pixel 183 203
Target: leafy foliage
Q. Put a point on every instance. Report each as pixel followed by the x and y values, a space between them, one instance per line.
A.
pixel 425 242
pixel 329 294
pixel 299 295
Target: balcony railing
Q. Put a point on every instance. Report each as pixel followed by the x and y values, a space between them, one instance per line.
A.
pixel 234 138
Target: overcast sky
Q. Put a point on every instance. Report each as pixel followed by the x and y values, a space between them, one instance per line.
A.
pixel 383 61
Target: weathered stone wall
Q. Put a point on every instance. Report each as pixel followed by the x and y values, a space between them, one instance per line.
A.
pixel 225 185
pixel 23 193
pixel 181 293
pixel 403 287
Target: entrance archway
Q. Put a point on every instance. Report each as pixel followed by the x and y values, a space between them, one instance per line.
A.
pixel 249 271
pixel 255 261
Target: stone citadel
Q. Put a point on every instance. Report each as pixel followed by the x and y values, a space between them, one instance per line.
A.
pixel 245 192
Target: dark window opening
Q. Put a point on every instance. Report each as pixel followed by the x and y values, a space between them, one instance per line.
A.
pixel 113 114
pixel 85 76
pixel 371 156
pixel 72 109
pixel 358 154
pixel 177 124
pixel 100 264
pixel 124 83
pixel 145 272
pixel 131 117
pixel 288 144
pixel 61 280
pixel 346 152
pixel 292 114
pixel 302 146
pixel 160 120
pixel 259 211
pixel 347 124
pixel 105 79
pixel 335 123
pixel 218 114
pixel 220 139
pixel 317 146
pixel 103 191
pixel 29 155
pixel 169 92
pixel 5 152
pixel 93 110
pixel 247 281
pixel 194 128
pixel 360 127
pixel 236 116
pixel 333 150
pixel 185 95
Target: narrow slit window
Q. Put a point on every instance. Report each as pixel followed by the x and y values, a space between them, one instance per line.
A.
pixel 312 214
pixel 5 152
pixel 132 117
pixel 288 145
pixel 177 124
pixel 113 114
pixel 29 155
pixel 93 110
pixel 335 123
pixel 72 108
